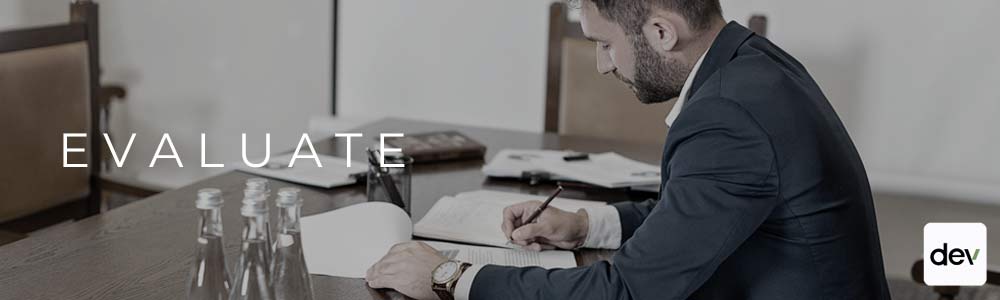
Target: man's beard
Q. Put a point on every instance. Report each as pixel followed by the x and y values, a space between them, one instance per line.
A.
pixel 656 79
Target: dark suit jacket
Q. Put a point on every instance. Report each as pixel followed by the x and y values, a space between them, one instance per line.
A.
pixel 764 197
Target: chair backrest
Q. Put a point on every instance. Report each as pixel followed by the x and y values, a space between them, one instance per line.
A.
pixel 580 101
pixel 758 24
pixel 48 87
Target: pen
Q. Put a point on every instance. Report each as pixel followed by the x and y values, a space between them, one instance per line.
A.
pixel 538 211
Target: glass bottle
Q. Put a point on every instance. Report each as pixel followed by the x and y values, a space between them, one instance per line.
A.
pixel 209 275
pixel 252 276
pixel 291 277
pixel 256 193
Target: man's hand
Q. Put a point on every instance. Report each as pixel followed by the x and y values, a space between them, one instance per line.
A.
pixel 554 228
pixel 407 269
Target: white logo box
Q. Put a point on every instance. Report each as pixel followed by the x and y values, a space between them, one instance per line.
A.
pixel 952 267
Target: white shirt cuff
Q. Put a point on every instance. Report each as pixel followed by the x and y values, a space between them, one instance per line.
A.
pixel 463 288
pixel 605 228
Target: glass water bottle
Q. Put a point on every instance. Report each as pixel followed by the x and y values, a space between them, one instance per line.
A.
pixel 291 278
pixel 209 275
pixel 252 274
pixel 256 194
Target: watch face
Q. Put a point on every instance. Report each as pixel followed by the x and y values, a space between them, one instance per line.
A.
pixel 445 271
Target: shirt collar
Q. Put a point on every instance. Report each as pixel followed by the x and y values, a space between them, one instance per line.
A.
pixel 676 110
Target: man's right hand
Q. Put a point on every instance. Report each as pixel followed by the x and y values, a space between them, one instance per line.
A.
pixel 554 228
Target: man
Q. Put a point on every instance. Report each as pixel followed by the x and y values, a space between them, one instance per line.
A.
pixel 763 193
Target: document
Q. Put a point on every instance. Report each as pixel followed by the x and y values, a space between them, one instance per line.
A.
pixel 475 217
pixel 512 162
pixel 609 170
pixel 333 173
pixel 347 241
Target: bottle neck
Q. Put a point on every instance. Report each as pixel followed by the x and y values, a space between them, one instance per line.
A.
pixel 211 222
pixel 288 219
pixel 255 227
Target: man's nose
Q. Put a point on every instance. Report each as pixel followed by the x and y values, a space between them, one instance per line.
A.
pixel 604 63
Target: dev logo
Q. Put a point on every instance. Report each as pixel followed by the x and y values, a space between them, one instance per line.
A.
pixel 955 254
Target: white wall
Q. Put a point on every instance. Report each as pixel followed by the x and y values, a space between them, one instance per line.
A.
pixel 914 81
pixel 476 62
pixel 222 67
pixel 30 13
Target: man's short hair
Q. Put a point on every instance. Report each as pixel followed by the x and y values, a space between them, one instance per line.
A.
pixel 631 14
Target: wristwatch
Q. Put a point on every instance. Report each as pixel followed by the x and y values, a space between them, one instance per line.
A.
pixel 445 277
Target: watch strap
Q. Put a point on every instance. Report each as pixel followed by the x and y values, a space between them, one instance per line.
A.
pixel 446 291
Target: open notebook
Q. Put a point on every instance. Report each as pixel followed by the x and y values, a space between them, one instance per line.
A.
pixel 347 241
pixel 475 217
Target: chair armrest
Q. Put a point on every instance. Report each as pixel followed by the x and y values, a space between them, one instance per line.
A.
pixel 105 95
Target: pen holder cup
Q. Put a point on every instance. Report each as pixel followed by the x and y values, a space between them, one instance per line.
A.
pixel 399 176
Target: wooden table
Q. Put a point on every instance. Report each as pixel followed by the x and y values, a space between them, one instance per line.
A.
pixel 144 250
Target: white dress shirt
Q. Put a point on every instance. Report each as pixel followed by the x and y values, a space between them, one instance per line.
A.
pixel 605 227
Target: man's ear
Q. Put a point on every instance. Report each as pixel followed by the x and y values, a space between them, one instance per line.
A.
pixel 661 34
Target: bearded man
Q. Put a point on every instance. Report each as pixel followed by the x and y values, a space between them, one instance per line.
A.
pixel 763 195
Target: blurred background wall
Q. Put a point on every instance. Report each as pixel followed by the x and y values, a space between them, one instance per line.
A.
pixel 221 67
pixel 914 80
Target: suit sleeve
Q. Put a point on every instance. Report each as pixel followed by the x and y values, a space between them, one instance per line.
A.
pixel 632 214
pixel 722 186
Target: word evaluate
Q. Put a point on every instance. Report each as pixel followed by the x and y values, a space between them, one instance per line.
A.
pixel 165 140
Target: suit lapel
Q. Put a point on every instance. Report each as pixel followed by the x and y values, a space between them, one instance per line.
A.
pixel 722 51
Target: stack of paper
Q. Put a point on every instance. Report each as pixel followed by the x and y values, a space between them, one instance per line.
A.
pixel 334 170
pixel 609 169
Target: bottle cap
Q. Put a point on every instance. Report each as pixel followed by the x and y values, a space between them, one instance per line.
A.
pixel 209 198
pixel 253 196
pixel 288 196
pixel 257 184
pixel 250 210
pixel 256 190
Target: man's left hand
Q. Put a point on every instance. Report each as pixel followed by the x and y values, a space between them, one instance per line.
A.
pixel 407 269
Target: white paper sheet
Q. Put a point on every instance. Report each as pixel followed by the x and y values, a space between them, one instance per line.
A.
pixel 609 169
pixel 346 241
pixel 333 173
pixel 512 162
pixel 475 217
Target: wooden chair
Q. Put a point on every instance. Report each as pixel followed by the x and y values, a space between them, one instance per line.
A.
pixel 49 85
pixel 581 101
pixel 758 24
pixel 948 292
